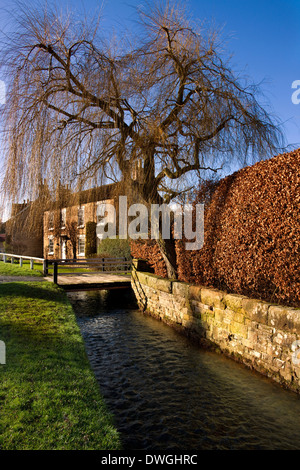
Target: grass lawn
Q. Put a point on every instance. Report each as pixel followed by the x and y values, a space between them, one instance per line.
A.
pixel 8 269
pixel 49 397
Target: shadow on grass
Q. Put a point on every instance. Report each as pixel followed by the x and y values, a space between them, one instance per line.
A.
pixel 39 328
pixel 36 313
pixel 44 291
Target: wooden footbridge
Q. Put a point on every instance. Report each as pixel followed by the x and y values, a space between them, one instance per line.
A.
pixel 91 274
pixel 81 274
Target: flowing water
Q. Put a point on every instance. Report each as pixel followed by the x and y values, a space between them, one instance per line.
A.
pixel 167 394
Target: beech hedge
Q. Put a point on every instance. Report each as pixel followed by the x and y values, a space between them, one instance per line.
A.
pixel 252 234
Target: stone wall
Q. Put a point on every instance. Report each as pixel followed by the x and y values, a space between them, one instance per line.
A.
pixel 258 334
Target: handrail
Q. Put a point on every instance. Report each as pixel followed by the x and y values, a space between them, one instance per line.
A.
pixel 86 260
pixel 104 264
pixel 76 263
pixel 22 257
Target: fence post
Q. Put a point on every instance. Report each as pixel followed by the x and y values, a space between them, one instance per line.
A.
pixel 21 262
pixel 45 267
pixel 12 260
pixel 31 264
pixel 55 273
pixel 4 258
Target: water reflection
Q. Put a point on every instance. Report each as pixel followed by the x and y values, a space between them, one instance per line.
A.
pixel 166 393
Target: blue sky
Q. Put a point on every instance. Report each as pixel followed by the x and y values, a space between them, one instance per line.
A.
pixel 263 35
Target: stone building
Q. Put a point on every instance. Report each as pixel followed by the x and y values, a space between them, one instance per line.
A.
pixel 65 228
pixel 24 228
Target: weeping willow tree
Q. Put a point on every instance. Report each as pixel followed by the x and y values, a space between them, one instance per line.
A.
pixel 81 109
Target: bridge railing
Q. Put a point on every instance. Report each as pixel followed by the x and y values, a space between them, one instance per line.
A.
pixel 11 257
pixel 73 266
pixel 90 266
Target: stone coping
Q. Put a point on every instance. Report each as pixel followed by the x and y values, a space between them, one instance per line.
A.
pixel 269 314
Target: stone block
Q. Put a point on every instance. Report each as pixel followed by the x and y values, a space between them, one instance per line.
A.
pixel 267 358
pixel 284 318
pixel 163 285
pixel 255 310
pixel 238 317
pixel 255 354
pixel 212 298
pixel 278 363
pixel 219 314
pixel 198 307
pixel 234 302
pixel 195 292
pixel 252 335
pixel 180 288
pixel 239 329
pixel 140 277
pixel 248 343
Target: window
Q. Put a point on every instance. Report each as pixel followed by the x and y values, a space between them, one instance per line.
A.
pixel 51 246
pixel 63 217
pixel 51 221
pixel 81 245
pixel 81 217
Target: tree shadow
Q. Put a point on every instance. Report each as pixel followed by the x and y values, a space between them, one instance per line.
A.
pixel 43 291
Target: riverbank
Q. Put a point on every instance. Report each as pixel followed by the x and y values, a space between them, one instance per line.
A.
pixel 49 397
pixel 261 335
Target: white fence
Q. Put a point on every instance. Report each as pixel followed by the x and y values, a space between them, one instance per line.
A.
pixel 11 257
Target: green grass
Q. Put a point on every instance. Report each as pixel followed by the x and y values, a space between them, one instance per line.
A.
pixel 49 397
pixel 8 269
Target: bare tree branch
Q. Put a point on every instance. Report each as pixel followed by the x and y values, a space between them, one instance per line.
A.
pixel 80 110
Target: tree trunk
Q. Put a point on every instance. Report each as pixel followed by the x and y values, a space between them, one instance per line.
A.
pixel 167 249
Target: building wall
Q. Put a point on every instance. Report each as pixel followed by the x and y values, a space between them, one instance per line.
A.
pixel 262 336
pixel 22 237
pixel 60 233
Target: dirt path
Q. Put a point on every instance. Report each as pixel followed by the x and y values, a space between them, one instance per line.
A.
pixel 21 279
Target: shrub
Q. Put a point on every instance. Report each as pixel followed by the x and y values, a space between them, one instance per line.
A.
pixel 115 248
pixel 149 251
